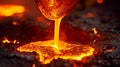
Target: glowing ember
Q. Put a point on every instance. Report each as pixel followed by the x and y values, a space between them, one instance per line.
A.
pixel 33 65
pixel 48 51
pixel 110 50
pixel 74 65
pixel 14 23
pixel 99 1
pixel 95 31
pixel 5 40
pixel 8 10
pixel 89 15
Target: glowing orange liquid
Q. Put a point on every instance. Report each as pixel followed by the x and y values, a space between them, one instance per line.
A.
pixel 47 51
pixel 56 32
pixel 56 10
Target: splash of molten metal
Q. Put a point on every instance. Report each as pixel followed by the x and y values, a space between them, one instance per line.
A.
pixel 9 10
pixel 48 51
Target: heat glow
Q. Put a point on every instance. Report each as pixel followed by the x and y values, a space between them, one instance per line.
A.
pixel 9 10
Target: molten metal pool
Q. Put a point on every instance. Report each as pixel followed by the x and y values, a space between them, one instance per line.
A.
pixel 48 51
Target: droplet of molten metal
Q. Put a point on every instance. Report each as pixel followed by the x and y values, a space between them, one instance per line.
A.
pixel 48 51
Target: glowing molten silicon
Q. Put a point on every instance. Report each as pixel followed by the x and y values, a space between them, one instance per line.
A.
pixel 48 51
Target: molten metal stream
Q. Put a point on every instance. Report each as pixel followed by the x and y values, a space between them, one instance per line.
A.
pixel 56 32
pixel 56 10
